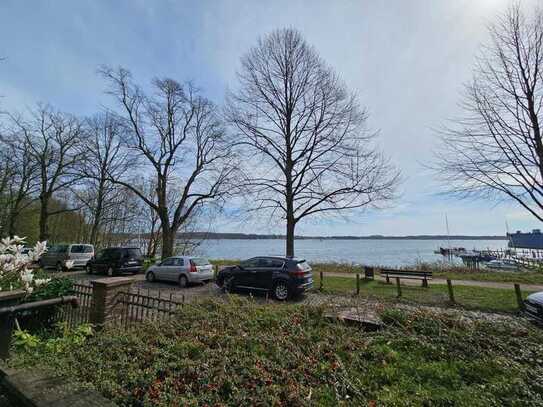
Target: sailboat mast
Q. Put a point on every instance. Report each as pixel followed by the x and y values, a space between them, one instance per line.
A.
pixel 448 236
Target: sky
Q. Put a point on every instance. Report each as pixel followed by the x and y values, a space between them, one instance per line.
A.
pixel 406 60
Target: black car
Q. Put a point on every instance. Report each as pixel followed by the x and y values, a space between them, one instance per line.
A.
pixel 116 260
pixel 283 276
pixel 533 306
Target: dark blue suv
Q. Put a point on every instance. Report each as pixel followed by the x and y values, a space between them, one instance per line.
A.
pixel 284 277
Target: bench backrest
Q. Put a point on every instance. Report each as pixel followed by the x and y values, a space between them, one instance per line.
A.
pixel 412 273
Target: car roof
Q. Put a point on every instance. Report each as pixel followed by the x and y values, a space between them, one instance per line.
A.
pixel 283 258
pixel 186 257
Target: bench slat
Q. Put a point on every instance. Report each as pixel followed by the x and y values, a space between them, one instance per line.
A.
pixel 403 276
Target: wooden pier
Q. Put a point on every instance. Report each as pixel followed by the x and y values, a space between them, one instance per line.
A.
pixel 526 258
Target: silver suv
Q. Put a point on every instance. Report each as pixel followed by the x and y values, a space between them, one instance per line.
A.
pixel 182 270
pixel 57 256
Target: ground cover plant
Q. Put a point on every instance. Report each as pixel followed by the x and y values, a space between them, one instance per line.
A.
pixel 243 353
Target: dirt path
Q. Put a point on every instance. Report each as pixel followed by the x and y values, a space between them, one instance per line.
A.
pixel 470 283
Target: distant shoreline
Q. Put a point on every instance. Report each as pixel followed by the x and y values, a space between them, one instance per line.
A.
pixel 244 236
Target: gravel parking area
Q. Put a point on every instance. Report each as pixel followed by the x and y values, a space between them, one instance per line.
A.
pixel 165 289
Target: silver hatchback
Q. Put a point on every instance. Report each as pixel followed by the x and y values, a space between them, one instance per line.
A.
pixel 57 256
pixel 181 270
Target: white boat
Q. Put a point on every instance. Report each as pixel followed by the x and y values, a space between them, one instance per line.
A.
pixel 502 264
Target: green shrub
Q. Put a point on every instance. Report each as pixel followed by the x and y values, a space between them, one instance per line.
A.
pixel 242 353
pixel 56 342
pixel 57 287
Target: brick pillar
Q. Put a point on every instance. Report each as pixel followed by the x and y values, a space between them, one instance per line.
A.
pixel 105 294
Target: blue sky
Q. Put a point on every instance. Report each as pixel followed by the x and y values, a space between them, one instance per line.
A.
pixel 407 60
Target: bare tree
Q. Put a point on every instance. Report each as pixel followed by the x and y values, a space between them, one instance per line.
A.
pixel 311 153
pixel 7 172
pixel 18 183
pixel 105 159
pixel 53 140
pixel 495 150
pixel 176 135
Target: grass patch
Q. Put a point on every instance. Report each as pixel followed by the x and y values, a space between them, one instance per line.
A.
pixel 243 353
pixel 478 298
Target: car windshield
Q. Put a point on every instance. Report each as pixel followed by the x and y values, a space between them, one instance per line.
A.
pixel 62 248
pixel 200 261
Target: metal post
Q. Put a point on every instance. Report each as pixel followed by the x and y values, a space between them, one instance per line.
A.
pixel 399 287
pixel 6 331
pixel 357 284
pixel 321 275
pixel 518 294
pixel 451 292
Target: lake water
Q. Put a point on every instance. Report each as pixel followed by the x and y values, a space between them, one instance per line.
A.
pixel 391 253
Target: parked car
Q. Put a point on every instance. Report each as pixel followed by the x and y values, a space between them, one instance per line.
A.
pixel 116 260
pixel 57 256
pixel 533 306
pixel 282 276
pixel 183 270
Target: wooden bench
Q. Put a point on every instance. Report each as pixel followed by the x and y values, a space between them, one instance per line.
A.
pixel 407 274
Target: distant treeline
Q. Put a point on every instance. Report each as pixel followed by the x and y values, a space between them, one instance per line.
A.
pixel 204 235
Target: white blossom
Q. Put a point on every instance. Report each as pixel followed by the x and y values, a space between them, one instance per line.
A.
pixel 41 281
pixel 27 276
pixel 13 262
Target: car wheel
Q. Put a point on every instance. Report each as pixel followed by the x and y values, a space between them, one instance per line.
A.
pixel 88 269
pixel 183 282
pixel 280 290
pixel 110 271
pixel 229 285
pixel 150 277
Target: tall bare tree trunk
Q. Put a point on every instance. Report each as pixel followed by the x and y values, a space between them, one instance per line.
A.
pixel 291 221
pixel 290 237
pixel 44 217
pixel 168 239
pixel 97 216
